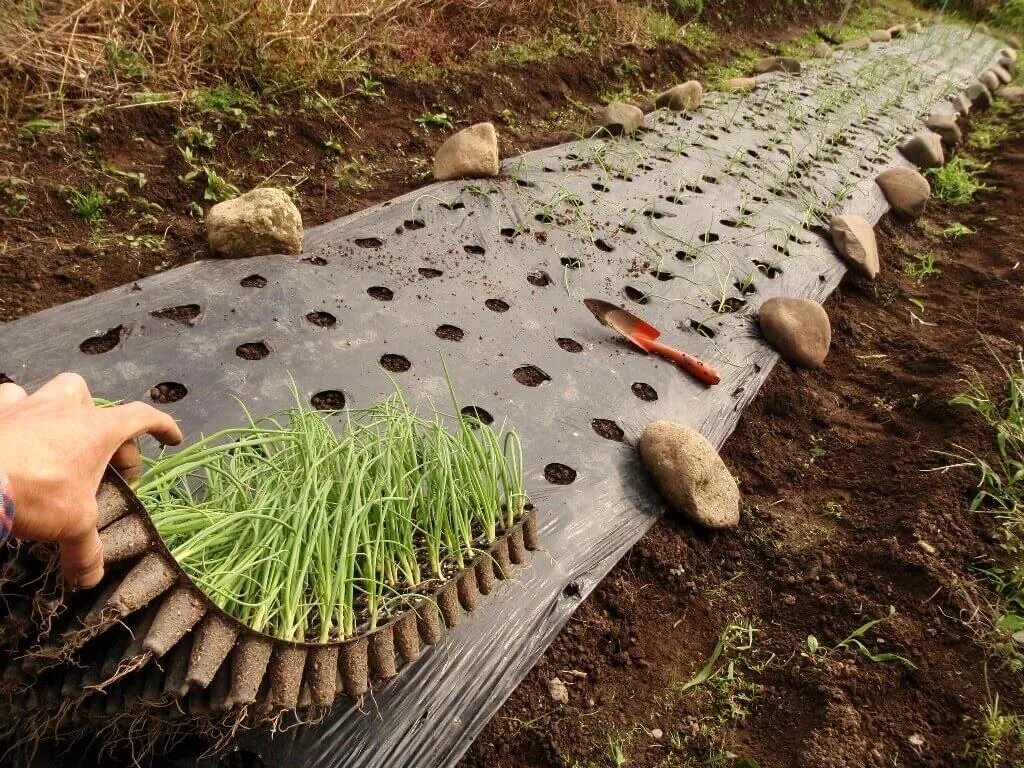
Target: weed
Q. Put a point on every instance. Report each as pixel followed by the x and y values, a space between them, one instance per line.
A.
pixel 144 242
pixel 353 174
pixel 921 266
pixel 1001 742
pixel 956 230
pixel 833 509
pixel 435 119
pixel 616 752
pixel 193 135
pixel 225 99
pixel 138 177
pixel 957 181
pixel 87 206
pixel 33 128
pixel 125 63
pixel 12 199
pixel 986 135
pixel 216 188
pixel 853 642
pixel 370 88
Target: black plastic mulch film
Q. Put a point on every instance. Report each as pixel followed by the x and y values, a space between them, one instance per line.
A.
pixel 692 224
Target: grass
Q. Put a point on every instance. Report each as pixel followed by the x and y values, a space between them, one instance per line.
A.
pixel 957 182
pixel 854 642
pixel 1001 741
pixel 957 230
pixel 986 135
pixel 87 206
pixel 309 535
pixel 921 266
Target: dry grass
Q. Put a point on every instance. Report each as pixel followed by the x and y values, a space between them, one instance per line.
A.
pixel 58 56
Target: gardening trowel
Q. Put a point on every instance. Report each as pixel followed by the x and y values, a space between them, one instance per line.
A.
pixel 646 337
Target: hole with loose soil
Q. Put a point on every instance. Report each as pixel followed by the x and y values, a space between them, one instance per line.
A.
pixel 745 288
pixel 449 332
pixel 380 293
pixel 731 304
pixel 507 231
pixel 474 250
pixel 569 345
pixel 608 429
pixel 604 246
pixel 414 224
pixel 328 400
pixel 539 278
pixel 710 237
pixel 530 375
pixel 316 261
pixel 183 313
pixel 98 345
pixel 478 413
pixel 322 319
pixel 702 329
pixel 167 392
pixel 395 363
pixel 598 187
pixel 660 275
pixel 635 294
pixel 369 242
pixel 456 205
pixel 644 391
pixel 496 305
pixel 430 272
pixel 5 379
pixel 559 474
pixel 770 270
pixel 685 256
pixel 252 350
pixel 572 262
pixel 253 281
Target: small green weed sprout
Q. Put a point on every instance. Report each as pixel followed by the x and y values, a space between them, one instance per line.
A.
pixel 1001 741
pixel 216 188
pixel 957 181
pixel 986 135
pixel 957 230
pixel 853 642
pixel 87 206
pixel 226 99
pixel 195 136
pixel 435 119
pixel 921 266
pixel 370 88
pixel 616 752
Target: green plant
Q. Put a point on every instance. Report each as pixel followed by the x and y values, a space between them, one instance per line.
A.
pixel 86 205
pixel 956 230
pixel 921 266
pixel 307 534
pixel 226 99
pixel 215 187
pixel 986 135
pixel 1001 741
pixel 616 752
pixel 370 88
pixel 957 181
pixel 12 198
pixel 33 128
pixel 853 642
pixel 435 119
pixel 195 136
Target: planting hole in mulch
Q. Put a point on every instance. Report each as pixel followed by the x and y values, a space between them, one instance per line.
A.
pixel 507 231
pixel 530 375
pixel 635 294
pixel 745 288
pixel 98 345
pixel 478 413
pixel 608 429
pixel 252 350
pixel 449 332
pixel 414 224
pixel 731 304
pixel 604 246
pixel 183 313
pixel 685 256
pixel 644 391
pixel 572 262
pixel 702 329
pixel 539 278
pixel 430 272
pixel 380 293
pixel 5 379
pixel 496 305
pixel 599 187
pixel 168 392
pixel 474 250
pixel 569 345
pixel 710 237
pixel 663 276
pixel 253 281
pixel 395 363
pixel 770 270
pixel 322 319
pixel 316 261
pixel 559 474
pixel 369 242
pixel 328 400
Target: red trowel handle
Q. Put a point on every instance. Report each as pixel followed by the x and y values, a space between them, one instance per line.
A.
pixel 699 370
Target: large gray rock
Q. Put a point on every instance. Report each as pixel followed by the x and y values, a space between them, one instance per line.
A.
pixel 1013 94
pixel 799 330
pixel 740 84
pixel 821 51
pixel 1001 74
pixel 880 36
pixel 690 474
pixel 961 103
pixel 898 30
pixel 472 153
pixel 258 223
pixel 1009 53
pixel 979 95
pixel 684 97
pixel 947 128
pixel 777 64
pixel 989 80
pixel 924 149
pixel 618 118
pixel 1010 65
pixel 906 190
pixel 856 44
pixel 854 239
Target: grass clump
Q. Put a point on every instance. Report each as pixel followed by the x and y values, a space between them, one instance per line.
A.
pixel 921 266
pixel 306 534
pixel 87 206
pixel 957 181
pixel 1001 742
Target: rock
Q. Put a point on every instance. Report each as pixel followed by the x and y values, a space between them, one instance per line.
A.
pixel 1014 41
pixel 854 238
pixel 855 44
pixel 916 27
pixel 821 51
pixel 740 84
pixel 960 103
pixel 618 118
pixel 1010 65
pixel 258 223
pixel 947 128
pixel 684 97
pixel 979 95
pixel 926 547
pixel 906 190
pixel 1013 94
pixel 798 329
pixel 690 474
pixel 777 64
pixel 657 734
pixel 558 691
pixel 880 36
pixel 924 149
pixel 472 153
pixel 899 30
pixel 989 80
pixel 1001 74
pixel 1009 53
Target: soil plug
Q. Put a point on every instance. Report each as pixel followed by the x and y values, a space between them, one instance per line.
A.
pixel 124 539
pixel 530 536
pixel 485 573
pixel 180 611
pixel 150 578
pixel 213 641
pixel 428 622
pixel 382 653
pixel 322 675
pixel 353 664
pixel 110 504
pixel 448 602
pixel 286 668
pixel 407 638
pixel 175 684
pixel 516 546
pixel 248 667
pixel 467 589
pixel 502 563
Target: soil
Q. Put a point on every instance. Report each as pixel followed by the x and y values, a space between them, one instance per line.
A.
pixel 530 376
pixel 559 474
pixel 328 400
pixel 168 392
pixel 644 391
pixel 607 429
pixel 395 363
pixel 842 520
pixel 449 332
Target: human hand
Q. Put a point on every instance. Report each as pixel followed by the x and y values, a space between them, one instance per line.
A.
pixel 54 447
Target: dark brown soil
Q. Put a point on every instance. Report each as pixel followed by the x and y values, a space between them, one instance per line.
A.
pixel 559 474
pixel 570 345
pixel 530 375
pixel 328 400
pixel 395 363
pixel 539 279
pixel 496 305
pixel 449 332
pixel 252 350
pixel 380 293
pixel 644 391
pixel 105 342
pixel 185 313
pixel 607 429
pixel 430 272
pixel 322 319
pixel 254 281
pixel 841 521
pixel 168 392
pixel 478 413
